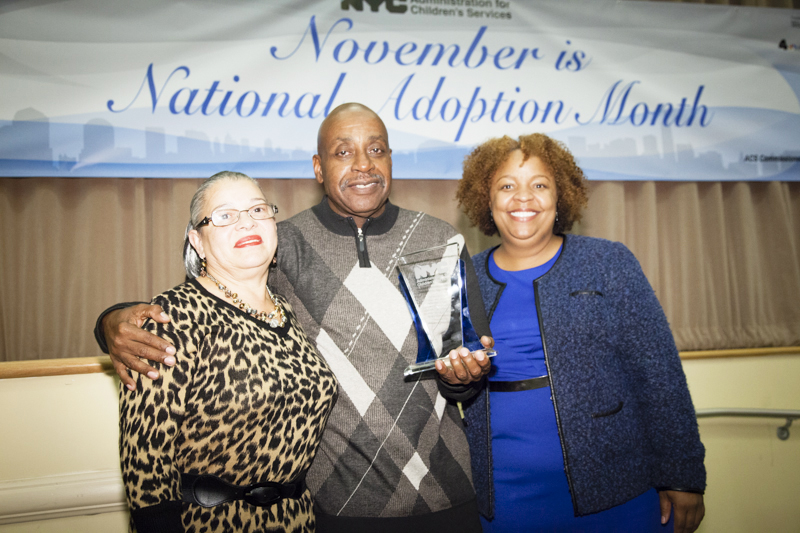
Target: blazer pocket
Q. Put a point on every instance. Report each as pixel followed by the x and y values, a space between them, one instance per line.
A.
pixel 586 293
pixel 610 412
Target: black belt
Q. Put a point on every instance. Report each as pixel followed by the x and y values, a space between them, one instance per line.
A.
pixel 516 386
pixel 207 490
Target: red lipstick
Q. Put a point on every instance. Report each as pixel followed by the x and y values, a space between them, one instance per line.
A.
pixel 250 240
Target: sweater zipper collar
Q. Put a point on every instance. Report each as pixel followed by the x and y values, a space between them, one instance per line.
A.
pixel 361 241
pixel 345 226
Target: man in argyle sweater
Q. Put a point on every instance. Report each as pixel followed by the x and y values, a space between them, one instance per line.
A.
pixel 393 456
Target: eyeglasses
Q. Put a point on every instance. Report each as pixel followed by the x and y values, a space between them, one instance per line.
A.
pixel 226 217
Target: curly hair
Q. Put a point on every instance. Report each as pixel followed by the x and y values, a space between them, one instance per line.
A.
pixel 482 163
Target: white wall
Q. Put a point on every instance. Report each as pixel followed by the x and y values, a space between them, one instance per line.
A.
pixel 753 477
pixel 59 449
pixel 59 455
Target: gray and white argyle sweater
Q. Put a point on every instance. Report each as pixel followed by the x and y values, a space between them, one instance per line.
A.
pixel 391 447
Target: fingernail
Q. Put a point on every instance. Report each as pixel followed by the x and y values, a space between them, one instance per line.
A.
pixel 663 520
pixel 170 350
pixel 479 356
pixel 130 387
pixel 169 361
pixel 152 374
pixel 164 315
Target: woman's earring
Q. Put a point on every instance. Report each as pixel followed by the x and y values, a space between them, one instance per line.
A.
pixel 202 266
pixel 274 260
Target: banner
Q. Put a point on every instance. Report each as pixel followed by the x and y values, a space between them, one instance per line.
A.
pixel 636 90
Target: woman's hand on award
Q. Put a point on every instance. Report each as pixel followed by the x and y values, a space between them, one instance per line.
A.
pixel 461 366
pixel 129 345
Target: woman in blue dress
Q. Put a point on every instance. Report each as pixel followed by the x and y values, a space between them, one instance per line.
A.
pixel 587 423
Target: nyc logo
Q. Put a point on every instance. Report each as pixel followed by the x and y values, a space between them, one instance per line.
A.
pixel 391 5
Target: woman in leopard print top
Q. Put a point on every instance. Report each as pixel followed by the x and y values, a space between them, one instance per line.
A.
pixel 245 402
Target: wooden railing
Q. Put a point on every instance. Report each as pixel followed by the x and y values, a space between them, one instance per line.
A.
pixel 55 367
pixel 92 365
pixel 740 352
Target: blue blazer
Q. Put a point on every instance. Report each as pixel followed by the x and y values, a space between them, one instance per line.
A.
pixel 625 418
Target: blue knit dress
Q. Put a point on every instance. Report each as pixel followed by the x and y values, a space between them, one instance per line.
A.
pixel 531 490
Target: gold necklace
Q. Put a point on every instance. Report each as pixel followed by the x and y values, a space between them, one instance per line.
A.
pixel 275 319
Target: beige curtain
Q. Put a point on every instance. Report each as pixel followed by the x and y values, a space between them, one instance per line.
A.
pixel 724 258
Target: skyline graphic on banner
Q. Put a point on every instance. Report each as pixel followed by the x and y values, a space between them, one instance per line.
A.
pixel 26 150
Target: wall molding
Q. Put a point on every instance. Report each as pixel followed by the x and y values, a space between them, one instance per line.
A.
pixel 48 497
pixel 55 367
pixel 740 352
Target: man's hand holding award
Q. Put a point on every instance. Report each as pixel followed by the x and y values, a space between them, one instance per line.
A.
pixel 433 283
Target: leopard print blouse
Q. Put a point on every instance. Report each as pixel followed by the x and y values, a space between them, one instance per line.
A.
pixel 244 402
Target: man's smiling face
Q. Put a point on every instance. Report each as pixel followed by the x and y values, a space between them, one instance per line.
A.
pixel 354 162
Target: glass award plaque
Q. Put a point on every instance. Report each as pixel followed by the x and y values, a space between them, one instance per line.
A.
pixel 433 284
